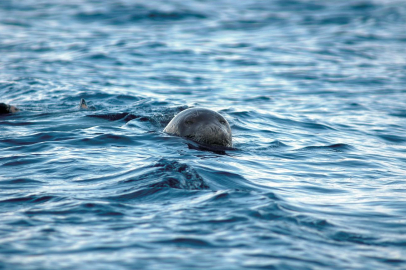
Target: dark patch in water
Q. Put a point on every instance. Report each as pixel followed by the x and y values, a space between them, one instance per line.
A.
pixel 183 176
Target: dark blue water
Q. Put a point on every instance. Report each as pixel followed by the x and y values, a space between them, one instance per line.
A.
pixel 315 93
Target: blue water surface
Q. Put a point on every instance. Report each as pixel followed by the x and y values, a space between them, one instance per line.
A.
pixel 315 93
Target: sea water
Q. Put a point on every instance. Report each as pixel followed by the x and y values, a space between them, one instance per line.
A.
pixel 314 91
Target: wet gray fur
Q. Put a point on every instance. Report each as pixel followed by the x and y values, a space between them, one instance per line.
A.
pixel 201 125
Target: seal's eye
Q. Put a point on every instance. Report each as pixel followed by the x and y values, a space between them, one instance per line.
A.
pixel 188 122
pixel 222 122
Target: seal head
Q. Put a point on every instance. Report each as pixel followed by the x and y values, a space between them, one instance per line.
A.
pixel 201 125
pixel 5 108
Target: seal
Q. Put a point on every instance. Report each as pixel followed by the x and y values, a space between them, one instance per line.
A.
pixel 83 104
pixel 5 108
pixel 201 125
pixel 84 107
